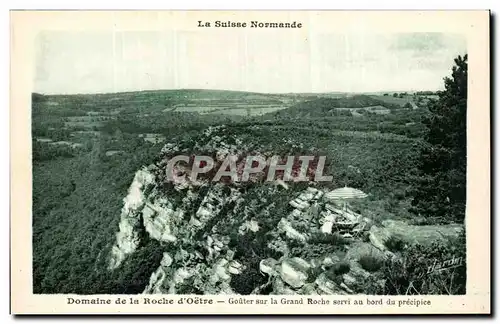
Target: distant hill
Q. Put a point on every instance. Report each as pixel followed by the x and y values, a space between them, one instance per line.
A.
pixel 326 106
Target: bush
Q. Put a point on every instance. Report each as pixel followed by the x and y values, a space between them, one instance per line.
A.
pixel 341 268
pixel 247 281
pixel 324 238
pixel 371 285
pixel 370 262
pixel 395 243
pixel 417 272
pixel 337 270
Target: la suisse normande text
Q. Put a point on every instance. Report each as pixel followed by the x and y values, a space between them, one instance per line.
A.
pixel 251 24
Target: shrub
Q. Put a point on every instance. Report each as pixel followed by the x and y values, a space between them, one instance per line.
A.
pixel 341 268
pixel 395 243
pixel 247 281
pixel 336 271
pixel 313 273
pixel 334 239
pixel 415 272
pixel 370 262
pixel 371 285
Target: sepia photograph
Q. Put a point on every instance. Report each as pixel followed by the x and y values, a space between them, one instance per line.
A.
pixel 250 156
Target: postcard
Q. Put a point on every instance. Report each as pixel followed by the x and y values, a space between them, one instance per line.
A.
pixel 250 162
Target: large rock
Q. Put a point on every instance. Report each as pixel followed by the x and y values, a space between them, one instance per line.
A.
pixel 235 267
pixel 268 266
pixel 420 234
pixel 378 236
pixel 294 271
pixel 157 222
pixel 290 232
pixel 280 288
pixel 167 260
pixel 327 286
pixel 308 289
pixel 327 227
pixel 156 282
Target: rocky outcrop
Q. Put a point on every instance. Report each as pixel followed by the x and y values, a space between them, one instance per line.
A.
pixel 208 231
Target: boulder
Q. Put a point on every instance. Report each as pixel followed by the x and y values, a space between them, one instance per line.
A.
pixel 327 286
pixel 235 267
pixel 330 260
pixel 181 274
pixel 347 289
pixel 294 272
pixel 268 265
pixel 327 227
pixel 349 280
pixel 290 232
pixel 358 249
pixel 306 196
pixel 357 272
pixel 312 190
pixel 308 289
pixel 167 260
pixel 377 236
pixel 299 204
pixel 421 234
pixel 221 272
pixel 279 288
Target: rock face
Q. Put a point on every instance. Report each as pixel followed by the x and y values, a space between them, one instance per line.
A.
pixel 127 239
pixel 220 238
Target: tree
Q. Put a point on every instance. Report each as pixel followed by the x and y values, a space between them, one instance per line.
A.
pixel 441 190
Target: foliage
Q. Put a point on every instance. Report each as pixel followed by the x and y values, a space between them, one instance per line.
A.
pixel 441 189
pixel 395 243
pixel 370 262
pixel 336 271
pixel 418 270
pixel 341 267
pixel 248 280
pixel 334 239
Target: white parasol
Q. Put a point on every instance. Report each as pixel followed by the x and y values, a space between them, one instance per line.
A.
pixel 344 194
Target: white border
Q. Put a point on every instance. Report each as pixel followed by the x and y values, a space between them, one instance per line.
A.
pixel 185 4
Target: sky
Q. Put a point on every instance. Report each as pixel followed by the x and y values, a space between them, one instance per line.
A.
pixel 271 61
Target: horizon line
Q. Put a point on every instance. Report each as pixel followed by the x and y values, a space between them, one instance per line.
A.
pixel 229 90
